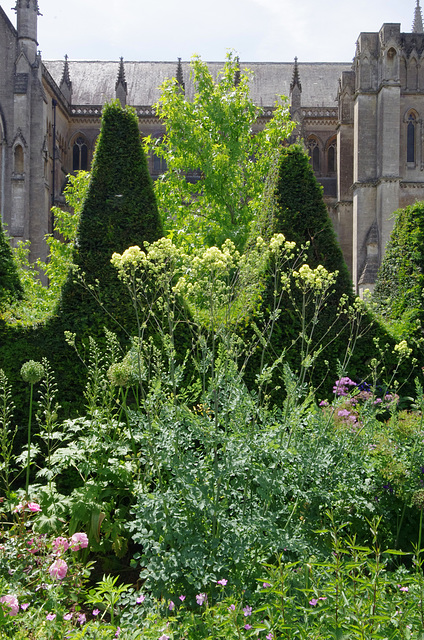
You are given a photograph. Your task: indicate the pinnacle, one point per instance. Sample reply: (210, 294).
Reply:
(121, 75)
(295, 79)
(417, 26)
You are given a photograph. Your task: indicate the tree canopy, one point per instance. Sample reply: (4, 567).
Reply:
(214, 183)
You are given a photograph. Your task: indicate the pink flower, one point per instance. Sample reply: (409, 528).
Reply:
(24, 606)
(58, 569)
(247, 611)
(33, 506)
(266, 585)
(79, 541)
(247, 626)
(223, 582)
(11, 605)
(182, 598)
(232, 607)
(171, 605)
(313, 602)
(18, 507)
(50, 616)
(81, 618)
(269, 636)
(96, 612)
(140, 599)
(67, 616)
(164, 637)
(200, 598)
(404, 589)
(60, 545)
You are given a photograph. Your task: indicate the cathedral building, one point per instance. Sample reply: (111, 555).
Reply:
(362, 123)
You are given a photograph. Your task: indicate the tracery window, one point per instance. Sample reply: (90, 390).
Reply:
(315, 154)
(80, 155)
(410, 139)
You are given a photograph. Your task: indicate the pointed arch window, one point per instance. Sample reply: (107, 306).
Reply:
(410, 139)
(315, 154)
(331, 157)
(18, 165)
(80, 155)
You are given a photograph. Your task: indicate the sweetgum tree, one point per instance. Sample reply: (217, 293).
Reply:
(214, 183)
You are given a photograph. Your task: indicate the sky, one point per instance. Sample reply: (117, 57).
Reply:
(258, 30)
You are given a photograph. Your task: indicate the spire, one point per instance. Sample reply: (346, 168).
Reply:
(237, 72)
(65, 84)
(179, 76)
(295, 79)
(121, 87)
(417, 27)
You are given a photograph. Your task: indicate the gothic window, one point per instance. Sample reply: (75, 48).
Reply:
(315, 154)
(80, 155)
(410, 139)
(159, 165)
(331, 157)
(18, 166)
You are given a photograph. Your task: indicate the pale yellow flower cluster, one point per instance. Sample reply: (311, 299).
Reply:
(318, 279)
(402, 349)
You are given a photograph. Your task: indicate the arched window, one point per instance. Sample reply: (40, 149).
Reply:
(18, 165)
(159, 165)
(410, 139)
(315, 154)
(331, 157)
(80, 155)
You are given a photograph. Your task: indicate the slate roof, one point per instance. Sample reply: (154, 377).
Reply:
(93, 82)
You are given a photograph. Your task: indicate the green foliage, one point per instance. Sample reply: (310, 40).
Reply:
(398, 292)
(39, 301)
(10, 286)
(213, 187)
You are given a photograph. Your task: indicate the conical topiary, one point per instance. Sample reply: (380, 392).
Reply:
(119, 211)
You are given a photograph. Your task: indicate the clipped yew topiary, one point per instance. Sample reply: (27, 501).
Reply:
(399, 288)
(119, 210)
(295, 207)
(10, 286)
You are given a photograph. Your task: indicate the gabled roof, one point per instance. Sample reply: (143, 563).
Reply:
(93, 82)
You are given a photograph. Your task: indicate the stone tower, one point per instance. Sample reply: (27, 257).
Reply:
(26, 218)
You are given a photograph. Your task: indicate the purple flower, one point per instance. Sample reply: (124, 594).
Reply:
(266, 585)
(182, 598)
(200, 598)
(404, 589)
(25, 606)
(118, 631)
(223, 582)
(343, 413)
(171, 605)
(96, 612)
(323, 403)
(164, 637)
(313, 602)
(140, 599)
(50, 616)
(67, 616)
(247, 626)
(247, 611)
(232, 607)
(81, 618)
(269, 636)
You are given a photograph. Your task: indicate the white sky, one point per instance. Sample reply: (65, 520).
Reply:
(259, 30)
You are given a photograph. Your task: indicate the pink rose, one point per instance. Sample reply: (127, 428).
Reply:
(60, 545)
(10, 605)
(79, 541)
(58, 569)
(33, 506)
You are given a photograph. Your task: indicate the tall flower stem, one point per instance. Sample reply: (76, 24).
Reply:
(29, 440)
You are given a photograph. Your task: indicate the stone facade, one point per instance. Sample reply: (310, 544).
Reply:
(362, 124)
